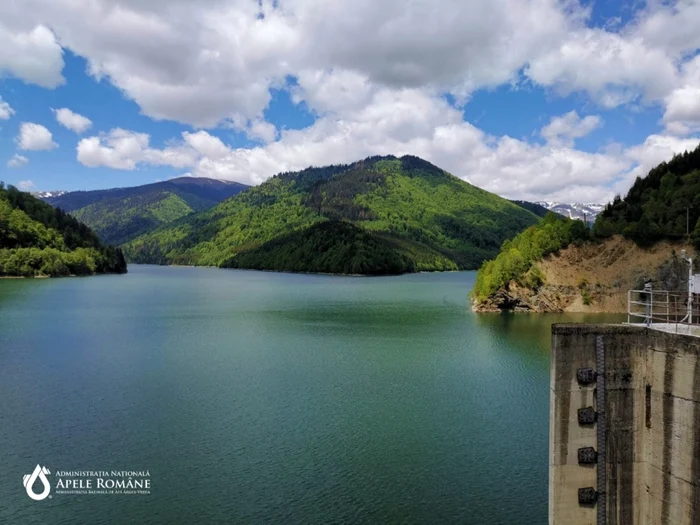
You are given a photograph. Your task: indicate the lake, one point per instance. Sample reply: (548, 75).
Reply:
(258, 397)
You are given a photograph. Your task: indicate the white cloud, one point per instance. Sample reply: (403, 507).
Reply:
(405, 122)
(206, 62)
(26, 185)
(563, 130)
(261, 130)
(374, 73)
(124, 150)
(71, 120)
(28, 49)
(17, 161)
(6, 110)
(611, 68)
(671, 26)
(682, 115)
(206, 145)
(34, 137)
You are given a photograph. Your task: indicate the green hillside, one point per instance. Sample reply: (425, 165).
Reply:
(121, 214)
(663, 205)
(515, 261)
(418, 210)
(326, 247)
(37, 239)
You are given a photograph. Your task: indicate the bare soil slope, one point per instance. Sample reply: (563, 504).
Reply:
(594, 277)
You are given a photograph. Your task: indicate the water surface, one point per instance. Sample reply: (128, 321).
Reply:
(258, 397)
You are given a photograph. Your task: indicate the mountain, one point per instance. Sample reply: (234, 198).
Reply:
(37, 239)
(534, 207)
(576, 210)
(121, 214)
(632, 239)
(404, 214)
(44, 195)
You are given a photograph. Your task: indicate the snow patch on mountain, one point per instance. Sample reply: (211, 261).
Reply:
(576, 210)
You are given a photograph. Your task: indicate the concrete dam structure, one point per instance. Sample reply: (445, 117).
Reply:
(624, 426)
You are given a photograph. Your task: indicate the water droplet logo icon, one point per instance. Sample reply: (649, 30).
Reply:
(39, 472)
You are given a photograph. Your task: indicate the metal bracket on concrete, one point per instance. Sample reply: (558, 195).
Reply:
(587, 496)
(587, 456)
(587, 416)
(586, 376)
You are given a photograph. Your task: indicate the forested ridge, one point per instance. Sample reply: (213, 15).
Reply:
(408, 205)
(535, 208)
(118, 215)
(664, 205)
(37, 239)
(327, 247)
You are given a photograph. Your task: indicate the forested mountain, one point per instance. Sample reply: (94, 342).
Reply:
(37, 239)
(121, 214)
(404, 205)
(663, 205)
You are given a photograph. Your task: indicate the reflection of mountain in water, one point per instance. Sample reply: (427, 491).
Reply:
(533, 331)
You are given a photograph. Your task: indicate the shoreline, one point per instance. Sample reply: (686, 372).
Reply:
(302, 273)
(58, 276)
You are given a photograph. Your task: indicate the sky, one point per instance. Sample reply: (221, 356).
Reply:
(530, 99)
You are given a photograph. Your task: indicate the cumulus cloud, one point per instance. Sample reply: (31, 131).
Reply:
(71, 120)
(399, 123)
(34, 137)
(682, 114)
(17, 161)
(611, 68)
(375, 76)
(6, 110)
(29, 50)
(202, 63)
(563, 130)
(26, 185)
(124, 150)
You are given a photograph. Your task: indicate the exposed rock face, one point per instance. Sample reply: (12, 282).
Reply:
(593, 277)
(518, 298)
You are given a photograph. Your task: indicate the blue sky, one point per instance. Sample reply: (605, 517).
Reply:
(535, 99)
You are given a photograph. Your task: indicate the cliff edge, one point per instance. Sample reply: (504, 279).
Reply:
(593, 276)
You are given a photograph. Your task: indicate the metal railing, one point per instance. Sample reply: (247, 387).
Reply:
(671, 309)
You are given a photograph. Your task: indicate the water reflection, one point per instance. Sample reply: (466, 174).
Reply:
(532, 332)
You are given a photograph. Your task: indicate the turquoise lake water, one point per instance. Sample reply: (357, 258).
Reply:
(254, 397)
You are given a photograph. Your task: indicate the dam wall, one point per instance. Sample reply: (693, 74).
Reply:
(624, 426)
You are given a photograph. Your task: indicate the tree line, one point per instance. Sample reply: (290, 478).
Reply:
(37, 239)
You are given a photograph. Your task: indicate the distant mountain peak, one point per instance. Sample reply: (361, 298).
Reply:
(119, 214)
(48, 194)
(204, 181)
(575, 210)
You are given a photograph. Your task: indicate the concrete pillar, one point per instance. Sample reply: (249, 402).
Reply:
(652, 417)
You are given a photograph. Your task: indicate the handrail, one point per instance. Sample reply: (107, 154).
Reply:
(650, 307)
